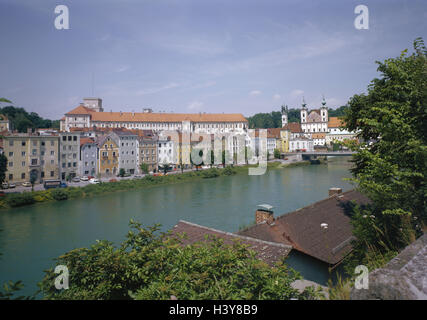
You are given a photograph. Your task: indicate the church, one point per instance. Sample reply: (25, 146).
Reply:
(313, 121)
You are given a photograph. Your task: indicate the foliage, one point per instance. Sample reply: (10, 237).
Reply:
(144, 168)
(3, 167)
(20, 199)
(10, 289)
(274, 118)
(149, 265)
(276, 153)
(21, 120)
(210, 173)
(390, 167)
(122, 172)
(228, 171)
(59, 194)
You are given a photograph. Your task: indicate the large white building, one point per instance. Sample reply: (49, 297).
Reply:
(316, 120)
(91, 113)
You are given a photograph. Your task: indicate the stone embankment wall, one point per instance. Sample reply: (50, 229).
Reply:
(403, 278)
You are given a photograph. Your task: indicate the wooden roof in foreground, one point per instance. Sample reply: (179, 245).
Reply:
(267, 251)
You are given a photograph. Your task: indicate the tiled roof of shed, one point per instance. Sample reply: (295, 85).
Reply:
(266, 251)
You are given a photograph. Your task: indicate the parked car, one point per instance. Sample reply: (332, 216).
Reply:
(90, 177)
(84, 178)
(94, 181)
(76, 179)
(5, 185)
(12, 185)
(2, 194)
(112, 180)
(137, 176)
(26, 184)
(63, 185)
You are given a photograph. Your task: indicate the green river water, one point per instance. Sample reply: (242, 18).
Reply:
(32, 236)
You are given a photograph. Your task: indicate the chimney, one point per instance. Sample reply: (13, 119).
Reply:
(334, 191)
(264, 213)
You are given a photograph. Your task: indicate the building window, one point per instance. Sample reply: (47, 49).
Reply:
(10, 176)
(10, 164)
(10, 154)
(22, 175)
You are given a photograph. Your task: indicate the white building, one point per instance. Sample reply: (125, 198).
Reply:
(337, 132)
(90, 113)
(301, 144)
(316, 120)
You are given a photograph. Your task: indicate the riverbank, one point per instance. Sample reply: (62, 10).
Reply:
(32, 197)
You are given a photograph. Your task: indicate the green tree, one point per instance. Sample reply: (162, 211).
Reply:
(390, 166)
(165, 167)
(149, 265)
(33, 179)
(144, 168)
(122, 172)
(3, 167)
(277, 153)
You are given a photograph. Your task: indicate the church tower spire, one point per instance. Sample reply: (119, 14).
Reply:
(284, 115)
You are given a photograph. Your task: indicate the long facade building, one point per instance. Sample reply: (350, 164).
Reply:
(90, 114)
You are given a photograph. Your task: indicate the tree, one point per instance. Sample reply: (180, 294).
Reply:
(277, 153)
(149, 265)
(391, 164)
(165, 168)
(3, 167)
(144, 168)
(122, 172)
(33, 179)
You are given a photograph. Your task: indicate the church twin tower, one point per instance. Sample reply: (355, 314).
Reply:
(314, 121)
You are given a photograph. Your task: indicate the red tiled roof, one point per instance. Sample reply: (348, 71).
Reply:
(302, 230)
(156, 117)
(266, 251)
(85, 140)
(335, 122)
(80, 110)
(294, 127)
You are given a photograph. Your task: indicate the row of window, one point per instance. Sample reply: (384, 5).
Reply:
(34, 162)
(23, 175)
(24, 143)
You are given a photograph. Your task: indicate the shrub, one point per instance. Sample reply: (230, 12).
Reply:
(210, 173)
(59, 194)
(149, 266)
(20, 199)
(228, 171)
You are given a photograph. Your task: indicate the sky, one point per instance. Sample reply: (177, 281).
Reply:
(198, 55)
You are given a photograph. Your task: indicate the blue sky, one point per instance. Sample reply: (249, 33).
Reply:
(197, 55)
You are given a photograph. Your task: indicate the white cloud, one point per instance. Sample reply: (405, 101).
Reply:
(157, 89)
(195, 105)
(255, 93)
(277, 97)
(296, 93)
(122, 69)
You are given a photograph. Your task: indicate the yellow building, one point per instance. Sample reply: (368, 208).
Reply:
(30, 155)
(108, 156)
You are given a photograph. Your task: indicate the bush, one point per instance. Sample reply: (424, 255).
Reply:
(20, 199)
(210, 173)
(59, 194)
(148, 266)
(228, 171)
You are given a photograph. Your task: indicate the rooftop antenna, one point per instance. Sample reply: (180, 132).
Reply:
(93, 83)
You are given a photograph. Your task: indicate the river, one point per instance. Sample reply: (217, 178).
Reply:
(32, 236)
